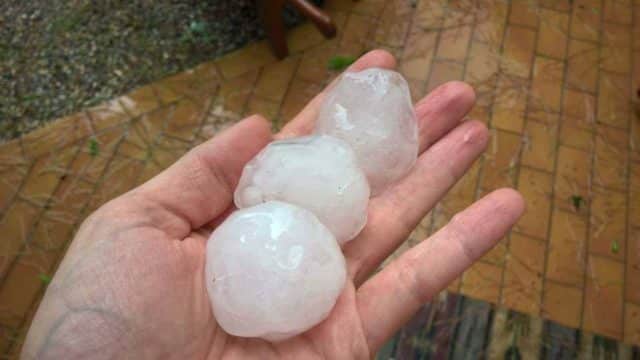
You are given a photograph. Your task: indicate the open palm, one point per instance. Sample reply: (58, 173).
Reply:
(131, 284)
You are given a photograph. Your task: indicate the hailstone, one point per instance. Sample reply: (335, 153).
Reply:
(372, 111)
(318, 173)
(272, 271)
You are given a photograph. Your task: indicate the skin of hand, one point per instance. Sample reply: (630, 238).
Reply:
(131, 284)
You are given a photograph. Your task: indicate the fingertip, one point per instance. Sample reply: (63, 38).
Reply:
(517, 200)
(375, 58)
(452, 93)
(511, 201)
(478, 133)
(258, 122)
(466, 91)
(382, 58)
(444, 107)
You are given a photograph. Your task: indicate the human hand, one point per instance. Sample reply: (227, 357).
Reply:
(131, 284)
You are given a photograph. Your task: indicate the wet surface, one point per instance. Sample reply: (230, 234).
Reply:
(556, 84)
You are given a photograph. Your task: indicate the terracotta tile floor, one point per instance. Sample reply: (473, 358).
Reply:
(555, 83)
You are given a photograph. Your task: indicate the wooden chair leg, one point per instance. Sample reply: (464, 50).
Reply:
(322, 21)
(271, 13)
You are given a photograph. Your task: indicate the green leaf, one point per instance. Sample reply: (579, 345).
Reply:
(94, 148)
(46, 279)
(577, 201)
(615, 247)
(339, 62)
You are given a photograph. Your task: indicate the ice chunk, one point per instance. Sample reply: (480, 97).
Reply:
(371, 110)
(318, 173)
(272, 271)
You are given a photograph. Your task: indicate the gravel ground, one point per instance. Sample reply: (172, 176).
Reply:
(59, 56)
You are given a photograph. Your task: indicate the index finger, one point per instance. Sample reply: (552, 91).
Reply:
(304, 122)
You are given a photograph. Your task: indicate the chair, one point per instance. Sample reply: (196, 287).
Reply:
(271, 14)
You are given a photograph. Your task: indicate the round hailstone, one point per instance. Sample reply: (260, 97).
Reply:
(318, 173)
(372, 111)
(272, 271)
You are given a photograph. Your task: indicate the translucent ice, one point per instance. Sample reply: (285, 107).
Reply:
(272, 271)
(372, 111)
(318, 173)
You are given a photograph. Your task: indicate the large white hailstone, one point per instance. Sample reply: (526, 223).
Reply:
(372, 111)
(272, 271)
(318, 173)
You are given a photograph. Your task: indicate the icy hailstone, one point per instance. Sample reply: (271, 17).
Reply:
(372, 111)
(272, 271)
(318, 173)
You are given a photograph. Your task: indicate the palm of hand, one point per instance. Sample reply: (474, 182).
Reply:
(153, 285)
(131, 284)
